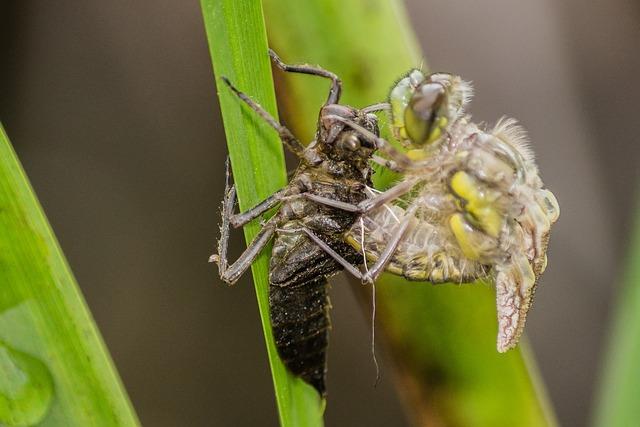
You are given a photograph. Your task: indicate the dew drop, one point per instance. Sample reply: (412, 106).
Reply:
(26, 388)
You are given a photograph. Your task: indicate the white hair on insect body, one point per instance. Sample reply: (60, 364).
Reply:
(463, 90)
(508, 130)
(459, 91)
(421, 67)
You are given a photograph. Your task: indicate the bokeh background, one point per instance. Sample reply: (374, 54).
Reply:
(112, 109)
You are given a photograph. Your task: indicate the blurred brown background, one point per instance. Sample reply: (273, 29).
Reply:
(112, 109)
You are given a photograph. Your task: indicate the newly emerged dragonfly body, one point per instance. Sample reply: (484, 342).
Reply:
(425, 252)
(334, 168)
(471, 203)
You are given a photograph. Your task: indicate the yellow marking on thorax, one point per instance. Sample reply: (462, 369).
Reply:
(480, 206)
(463, 231)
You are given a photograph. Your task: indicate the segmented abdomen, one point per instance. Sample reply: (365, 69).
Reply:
(299, 302)
(426, 252)
(300, 321)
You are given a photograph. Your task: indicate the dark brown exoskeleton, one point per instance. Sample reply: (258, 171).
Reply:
(334, 170)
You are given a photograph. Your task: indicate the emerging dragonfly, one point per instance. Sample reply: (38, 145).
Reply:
(335, 168)
(471, 203)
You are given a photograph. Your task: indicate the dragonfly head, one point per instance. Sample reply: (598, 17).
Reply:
(423, 106)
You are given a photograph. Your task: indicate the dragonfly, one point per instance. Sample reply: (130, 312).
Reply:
(471, 203)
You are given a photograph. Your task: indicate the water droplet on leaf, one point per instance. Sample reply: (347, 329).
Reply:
(26, 388)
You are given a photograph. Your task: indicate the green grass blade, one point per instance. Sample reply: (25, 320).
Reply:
(360, 40)
(617, 403)
(442, 337)
(238, 46)
(54, 367)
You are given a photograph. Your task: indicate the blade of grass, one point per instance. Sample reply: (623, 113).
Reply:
(443, 340)
(365, 42)
(442, 337)
(54, 367)
(617, 403)
(238, 47)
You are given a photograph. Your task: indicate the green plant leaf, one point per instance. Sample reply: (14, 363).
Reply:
(442, 337)
(54, 367)
(617, 403)
(238, 47)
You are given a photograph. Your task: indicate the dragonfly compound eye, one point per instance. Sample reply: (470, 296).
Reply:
(399, 98)
(426, 115)
(424, 106)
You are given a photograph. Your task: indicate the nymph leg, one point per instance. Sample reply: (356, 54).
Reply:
(336, 84)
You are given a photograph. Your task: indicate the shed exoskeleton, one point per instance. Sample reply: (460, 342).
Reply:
(334, 167)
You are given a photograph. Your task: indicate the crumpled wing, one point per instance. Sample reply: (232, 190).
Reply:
(515, 284)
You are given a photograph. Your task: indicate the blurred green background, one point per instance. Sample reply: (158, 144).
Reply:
(111, 107)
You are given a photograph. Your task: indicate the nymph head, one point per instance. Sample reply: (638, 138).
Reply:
(339, 139)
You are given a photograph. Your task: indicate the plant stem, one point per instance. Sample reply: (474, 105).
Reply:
(54, 367)
(238, 47)
(617, 403)
(442, 337)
